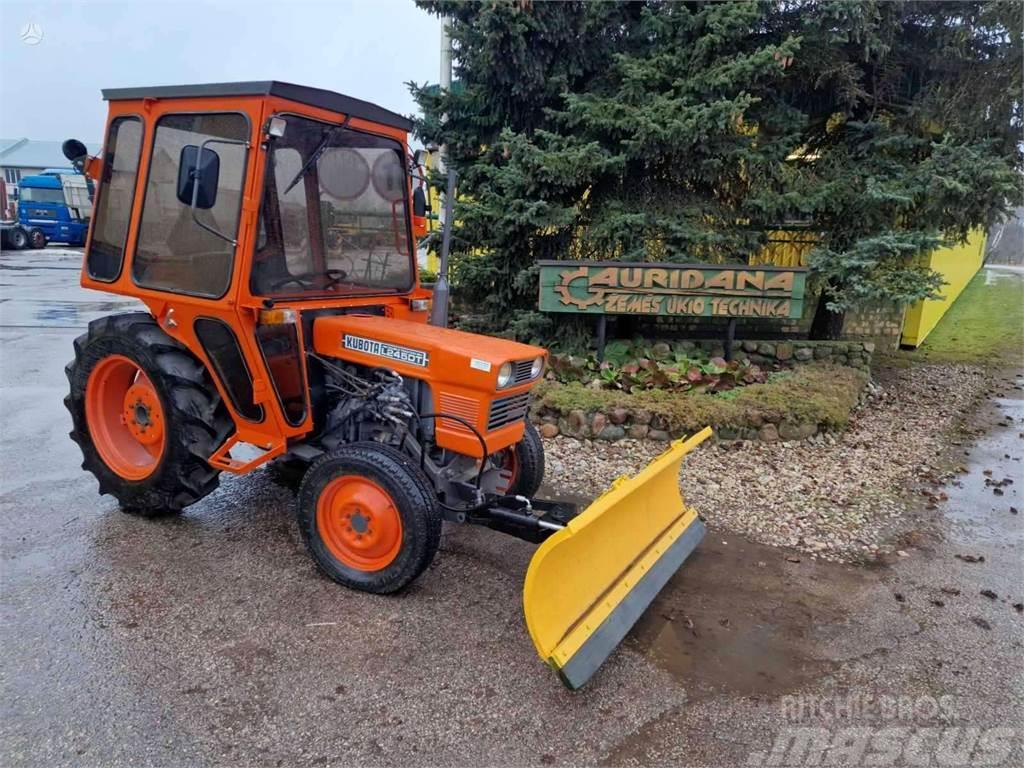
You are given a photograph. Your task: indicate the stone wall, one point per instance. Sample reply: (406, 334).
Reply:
(622, 423)
(857, 354)
(880, 322)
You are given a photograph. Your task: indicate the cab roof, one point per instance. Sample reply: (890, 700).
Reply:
(314, 97)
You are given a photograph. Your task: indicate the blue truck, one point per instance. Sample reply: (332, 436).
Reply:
(54, 207)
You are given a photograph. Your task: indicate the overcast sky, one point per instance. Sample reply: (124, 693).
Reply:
(51, 90)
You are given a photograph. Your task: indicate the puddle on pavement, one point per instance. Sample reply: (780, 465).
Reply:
(728, 621)
(982, 499)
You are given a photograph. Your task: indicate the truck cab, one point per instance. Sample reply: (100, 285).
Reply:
(55, 203)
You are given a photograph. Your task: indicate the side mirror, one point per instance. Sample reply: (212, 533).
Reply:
(75, 151)
(419, 202)
(198, 175)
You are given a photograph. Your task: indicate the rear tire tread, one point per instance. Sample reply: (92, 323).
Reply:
(197, 422)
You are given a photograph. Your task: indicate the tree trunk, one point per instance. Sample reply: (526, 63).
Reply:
(826, 324)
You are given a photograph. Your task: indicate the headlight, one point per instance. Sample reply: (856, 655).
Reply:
(504, 375)
(537, 368)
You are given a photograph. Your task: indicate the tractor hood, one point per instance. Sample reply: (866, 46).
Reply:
(421, 351)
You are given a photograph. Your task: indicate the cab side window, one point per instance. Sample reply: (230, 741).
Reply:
(115, 197)
(174, 253)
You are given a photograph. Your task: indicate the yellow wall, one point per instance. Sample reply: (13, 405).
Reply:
(957, 265)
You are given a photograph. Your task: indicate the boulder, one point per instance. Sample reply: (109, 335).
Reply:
(727, 433)
(766, 349)
(750, 346)
(658, 434)
(611, 433)
(789, 431)
(597, 423)
(822, 351)
(548, 430)
(618, 416)
(638, 431)
(784, 351)
(769, 433)
(576, 423)
(642, 417)
(803, 354)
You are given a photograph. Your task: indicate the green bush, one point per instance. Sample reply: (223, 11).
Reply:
(819, 393)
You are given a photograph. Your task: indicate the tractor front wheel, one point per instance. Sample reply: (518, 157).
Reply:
(369, 517)
(145, 414)
(520, 468)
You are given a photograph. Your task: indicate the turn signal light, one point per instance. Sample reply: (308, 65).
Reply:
(419, 305)
(277, 316)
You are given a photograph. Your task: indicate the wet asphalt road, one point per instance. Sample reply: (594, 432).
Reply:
(210, 639)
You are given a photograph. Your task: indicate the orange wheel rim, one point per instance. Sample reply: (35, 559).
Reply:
(359, 523)
(125, 417)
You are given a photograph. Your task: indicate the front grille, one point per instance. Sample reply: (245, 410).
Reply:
(456, 405)
(507, 410)
(521, 371)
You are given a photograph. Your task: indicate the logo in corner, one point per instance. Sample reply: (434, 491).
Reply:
(405, 355)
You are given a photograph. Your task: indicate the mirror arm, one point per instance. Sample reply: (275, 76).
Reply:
(197, 177)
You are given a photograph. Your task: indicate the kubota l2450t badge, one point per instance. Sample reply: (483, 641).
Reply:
(406, 355)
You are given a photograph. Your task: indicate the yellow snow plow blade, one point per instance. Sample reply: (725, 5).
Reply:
(588, 583)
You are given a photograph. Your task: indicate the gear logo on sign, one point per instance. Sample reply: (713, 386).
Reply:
(568, 298)
(31, 34)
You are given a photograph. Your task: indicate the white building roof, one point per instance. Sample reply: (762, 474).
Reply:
(28, 153)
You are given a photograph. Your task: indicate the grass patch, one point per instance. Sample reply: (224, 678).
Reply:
(984, 325)
(820, 394)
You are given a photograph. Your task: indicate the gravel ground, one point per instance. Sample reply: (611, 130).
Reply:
(838, 497)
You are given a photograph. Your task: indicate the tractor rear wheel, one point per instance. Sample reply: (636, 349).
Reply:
(145, 414)
(369, 517)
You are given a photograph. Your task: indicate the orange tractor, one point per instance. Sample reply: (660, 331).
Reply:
(269, 230)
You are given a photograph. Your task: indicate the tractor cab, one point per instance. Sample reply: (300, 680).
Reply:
(241, 212)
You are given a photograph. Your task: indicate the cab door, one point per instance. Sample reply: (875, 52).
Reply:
(197, 217)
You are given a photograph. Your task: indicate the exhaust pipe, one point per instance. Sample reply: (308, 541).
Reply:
(439, 309)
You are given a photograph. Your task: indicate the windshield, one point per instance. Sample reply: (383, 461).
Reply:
(40, 195)
(333, 219)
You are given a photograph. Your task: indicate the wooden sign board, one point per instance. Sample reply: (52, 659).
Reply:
(617, 288)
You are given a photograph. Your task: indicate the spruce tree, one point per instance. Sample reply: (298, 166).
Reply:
(684, 132)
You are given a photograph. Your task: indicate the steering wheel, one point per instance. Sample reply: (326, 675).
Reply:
(308, 279)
